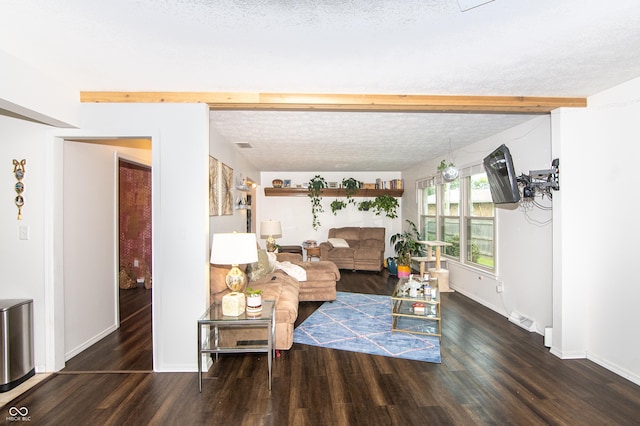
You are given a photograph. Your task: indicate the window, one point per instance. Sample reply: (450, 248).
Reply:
(461, 213)
(450, 218)
(480, 222)
(428, 221)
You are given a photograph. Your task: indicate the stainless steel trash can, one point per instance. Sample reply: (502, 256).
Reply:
(16, 340)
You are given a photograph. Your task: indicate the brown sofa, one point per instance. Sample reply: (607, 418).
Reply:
(285, 290)
(365, 249)
(321, 278)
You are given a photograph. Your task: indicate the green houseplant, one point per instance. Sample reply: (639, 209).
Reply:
(365, 206)
(254, 300)
(385, 204)
(443, 165)
(315, 187)
(351, 186)
(337, 205)
(406, 245)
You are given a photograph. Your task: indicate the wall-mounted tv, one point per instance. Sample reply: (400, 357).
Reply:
(503, 182)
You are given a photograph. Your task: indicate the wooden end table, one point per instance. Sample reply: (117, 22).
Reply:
(312, 252)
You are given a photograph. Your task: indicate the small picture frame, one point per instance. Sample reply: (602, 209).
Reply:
(286, 183)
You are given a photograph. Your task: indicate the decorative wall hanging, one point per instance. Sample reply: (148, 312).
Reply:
(226, 184)
(214, 187)
(18, 171)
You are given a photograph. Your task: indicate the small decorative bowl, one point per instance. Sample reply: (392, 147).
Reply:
(277, 183)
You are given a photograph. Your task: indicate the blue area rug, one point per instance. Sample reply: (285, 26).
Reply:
(362, 323)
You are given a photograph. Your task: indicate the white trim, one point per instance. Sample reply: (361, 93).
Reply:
(53, 231)
(85, 345)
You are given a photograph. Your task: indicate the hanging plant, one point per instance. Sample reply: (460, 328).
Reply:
(443, 165)
(385, 204)
(448, 170)
(365, 206)
(351, 186)
(337, 205)
(315, 187)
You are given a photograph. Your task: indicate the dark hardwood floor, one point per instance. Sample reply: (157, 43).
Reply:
(127, 349)
(492, 372)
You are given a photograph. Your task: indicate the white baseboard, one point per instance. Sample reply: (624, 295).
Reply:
(615, 368)
(75, 351)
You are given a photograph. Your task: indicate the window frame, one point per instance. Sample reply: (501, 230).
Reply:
(464, 217)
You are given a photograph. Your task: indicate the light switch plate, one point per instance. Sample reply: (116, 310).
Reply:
(24, 232)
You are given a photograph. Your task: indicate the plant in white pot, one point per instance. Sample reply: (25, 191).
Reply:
(254, 300)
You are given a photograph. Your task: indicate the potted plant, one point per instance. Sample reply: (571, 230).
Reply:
(448, 171)
(365, 206)
(385, 204)
(351, 186)
(337, 205)
(254, 300)
(315, 187)
(406, 245)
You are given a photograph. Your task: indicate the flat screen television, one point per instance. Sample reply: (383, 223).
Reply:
(503, 182)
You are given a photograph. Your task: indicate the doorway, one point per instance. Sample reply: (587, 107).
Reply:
(134, 237)
(93, 305)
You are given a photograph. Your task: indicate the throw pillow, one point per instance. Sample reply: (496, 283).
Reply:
(338, 242)
(261, 268)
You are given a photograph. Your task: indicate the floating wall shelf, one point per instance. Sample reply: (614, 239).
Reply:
(330, 192)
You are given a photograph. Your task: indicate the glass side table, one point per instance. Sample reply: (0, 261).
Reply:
(418, 314)
(212, 323)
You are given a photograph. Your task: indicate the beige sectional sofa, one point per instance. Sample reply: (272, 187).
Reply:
(355, 248)
(286, 290)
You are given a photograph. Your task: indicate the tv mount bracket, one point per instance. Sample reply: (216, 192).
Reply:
(540, 182)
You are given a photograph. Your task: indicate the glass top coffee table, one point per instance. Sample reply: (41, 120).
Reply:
(212, 323)
(416, 311)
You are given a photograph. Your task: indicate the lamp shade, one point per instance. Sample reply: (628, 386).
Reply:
(270, 228)
(234, 248)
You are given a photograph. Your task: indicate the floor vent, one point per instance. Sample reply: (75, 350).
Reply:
(522, 321)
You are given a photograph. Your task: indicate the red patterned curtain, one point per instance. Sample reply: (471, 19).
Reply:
(135, 217)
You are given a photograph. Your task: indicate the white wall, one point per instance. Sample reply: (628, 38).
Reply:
(180, 150)
(22, 260)
(29, 93)
(227, 153)
(295, 216)
(91, 241)
(524, 240)
(33, 268)
(595, 311)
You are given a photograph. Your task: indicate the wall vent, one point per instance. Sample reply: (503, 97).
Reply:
(522, 321)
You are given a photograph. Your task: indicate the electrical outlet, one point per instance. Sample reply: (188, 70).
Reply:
(136, 263)
(499, 288)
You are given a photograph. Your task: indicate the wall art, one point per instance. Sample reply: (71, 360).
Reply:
(214, 187)
(18, 171)
(226, 185)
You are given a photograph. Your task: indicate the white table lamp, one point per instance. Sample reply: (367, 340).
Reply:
(234, 249)
(271, 230)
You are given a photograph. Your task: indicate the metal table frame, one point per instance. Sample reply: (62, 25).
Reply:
(213, 318)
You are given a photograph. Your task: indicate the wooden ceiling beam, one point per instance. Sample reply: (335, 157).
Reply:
(344, 102)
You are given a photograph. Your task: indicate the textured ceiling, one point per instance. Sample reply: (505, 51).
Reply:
(356, 141)
(516, 48)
